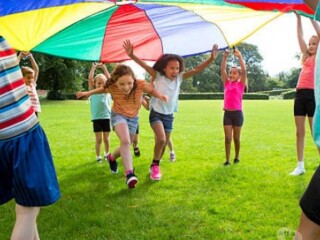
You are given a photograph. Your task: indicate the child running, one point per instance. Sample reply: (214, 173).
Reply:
(127, 93)
(234, 86)
(30, 78)
(304, 102)
(168, 73)
(100, 110)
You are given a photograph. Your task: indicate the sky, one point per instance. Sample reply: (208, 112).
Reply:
(278, 44)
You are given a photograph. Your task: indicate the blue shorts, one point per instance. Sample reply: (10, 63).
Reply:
(165, 119)
(132, 123)
(27, 172)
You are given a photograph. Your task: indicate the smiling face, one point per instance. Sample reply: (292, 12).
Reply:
(125, 83)
(172, 69)
(234, 74)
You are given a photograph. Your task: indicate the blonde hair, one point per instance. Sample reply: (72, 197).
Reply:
(26, 70)
(307, 54)
(100, 76)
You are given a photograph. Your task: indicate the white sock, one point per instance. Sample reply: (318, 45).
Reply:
(98, 157)
(106, 154)
(301, 164)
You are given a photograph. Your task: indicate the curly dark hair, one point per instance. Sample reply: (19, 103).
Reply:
(162, 62)
(119, 71)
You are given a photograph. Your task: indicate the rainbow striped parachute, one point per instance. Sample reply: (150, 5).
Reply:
(94, 30)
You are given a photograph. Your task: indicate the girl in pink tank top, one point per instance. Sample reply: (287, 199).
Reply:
(234, 86)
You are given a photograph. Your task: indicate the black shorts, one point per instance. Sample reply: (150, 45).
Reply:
(233, 118)
(304, 103)
(101, 125)
(310, 200)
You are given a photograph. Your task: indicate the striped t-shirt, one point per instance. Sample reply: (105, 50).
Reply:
(16, 113)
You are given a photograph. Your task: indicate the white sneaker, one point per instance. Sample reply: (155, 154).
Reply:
(298, 171)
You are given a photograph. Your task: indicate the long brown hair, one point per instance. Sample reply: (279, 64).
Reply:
(119, 71)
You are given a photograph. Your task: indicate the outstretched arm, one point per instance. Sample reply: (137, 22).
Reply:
(316, 27)
(237, 53)
(302, 43)
(128, 46)
(105, 70)
(224, 75)
(149, 89)
(87, 94)
(203, 65)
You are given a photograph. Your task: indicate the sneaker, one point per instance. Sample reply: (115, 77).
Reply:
(226, 163)
(136, 152)
(131, 180)
(112, 164)
(155, 173)
(172, 157)
(236, 160)
(298, 171)
(99, 160)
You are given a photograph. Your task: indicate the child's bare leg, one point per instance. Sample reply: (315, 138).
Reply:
(25, 226)
(106, 142)
(160, 141)
(227, 140)
(122, 131)
(98, 142)
(307, 229)
(236, 140)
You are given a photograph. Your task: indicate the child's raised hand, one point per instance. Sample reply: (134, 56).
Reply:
(237, 53)
(226, 53)
(215, 51)
(128, 46)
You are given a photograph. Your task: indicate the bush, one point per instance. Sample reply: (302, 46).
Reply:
(289, 95)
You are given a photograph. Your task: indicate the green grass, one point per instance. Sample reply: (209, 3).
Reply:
(197, 198)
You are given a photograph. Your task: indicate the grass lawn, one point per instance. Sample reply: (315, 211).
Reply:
(197, 198)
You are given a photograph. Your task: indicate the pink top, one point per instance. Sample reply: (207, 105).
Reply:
(306, 77)
(233, 92)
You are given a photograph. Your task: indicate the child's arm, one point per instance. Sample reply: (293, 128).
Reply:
(145, 102)
(302, 43)
(105, 70)
(312, 4)
(316, 27)
(224, 75)
(149, 89)
(91, 74)
(34, 66)
(128, 46)
(237, 53)
(87, 94)
(203, 65)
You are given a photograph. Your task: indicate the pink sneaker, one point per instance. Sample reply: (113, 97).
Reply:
(155, 173)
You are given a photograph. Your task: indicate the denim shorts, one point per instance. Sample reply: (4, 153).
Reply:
(165, 119)
(132, 123)
(27, 171)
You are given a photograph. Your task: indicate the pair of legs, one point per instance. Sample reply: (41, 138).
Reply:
(231, 132)
(25, 226)
(304, 105)
(102, 136)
